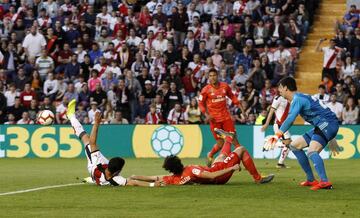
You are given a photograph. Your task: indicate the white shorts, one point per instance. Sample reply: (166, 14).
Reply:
(94, 158)
(286, 135)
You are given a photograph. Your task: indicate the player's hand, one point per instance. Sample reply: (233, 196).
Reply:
(271, 142)
(208, 117)
(97, 117)
(264, 127)
(334, 149)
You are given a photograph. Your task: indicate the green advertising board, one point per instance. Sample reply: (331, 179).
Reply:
(149, 141)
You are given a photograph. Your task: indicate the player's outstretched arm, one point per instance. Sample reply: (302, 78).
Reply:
(94, 132)
(146, 178)
(213, 175)
(132, 182)
(268, 119)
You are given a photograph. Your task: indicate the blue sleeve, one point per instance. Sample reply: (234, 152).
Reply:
(295, 108)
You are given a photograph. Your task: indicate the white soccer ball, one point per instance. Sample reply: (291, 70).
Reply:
(167, 140)
(45, 117)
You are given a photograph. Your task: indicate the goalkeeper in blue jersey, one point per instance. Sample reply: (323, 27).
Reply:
(325, 124)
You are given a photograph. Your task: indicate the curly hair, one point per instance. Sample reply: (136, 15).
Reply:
(173, 164)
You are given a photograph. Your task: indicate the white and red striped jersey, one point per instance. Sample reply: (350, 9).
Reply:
(282, 107)
(330, 56)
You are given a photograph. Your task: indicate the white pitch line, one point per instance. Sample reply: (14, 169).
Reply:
(40, 188)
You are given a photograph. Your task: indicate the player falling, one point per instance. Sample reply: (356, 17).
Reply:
(280, 107)
(219, 173)
(212, 103)
(325, 124)
(102, 171)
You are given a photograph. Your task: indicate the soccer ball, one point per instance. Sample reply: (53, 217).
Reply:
(167, 140)
(45, 117)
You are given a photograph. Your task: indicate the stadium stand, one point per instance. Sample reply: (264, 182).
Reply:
(145, 61)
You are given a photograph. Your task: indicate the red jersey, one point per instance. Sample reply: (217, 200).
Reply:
(213, 99)
(191, 173)
(188, 176)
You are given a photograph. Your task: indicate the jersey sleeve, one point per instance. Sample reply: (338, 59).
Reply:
(120, 180)
(98, 158)
(295, 108)
(276, 102)
(202, 100)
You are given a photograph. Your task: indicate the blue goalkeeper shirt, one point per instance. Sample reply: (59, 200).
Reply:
(311, 110)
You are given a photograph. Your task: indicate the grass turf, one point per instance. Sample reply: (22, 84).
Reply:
(239, 198)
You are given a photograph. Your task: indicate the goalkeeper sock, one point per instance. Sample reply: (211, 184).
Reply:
(250, 166)
(319, 165)
(214, 150)
(284, 153)
(78, 128)
(304, 163)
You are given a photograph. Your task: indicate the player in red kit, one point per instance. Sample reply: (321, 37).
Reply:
(212, 103)
(219, 173)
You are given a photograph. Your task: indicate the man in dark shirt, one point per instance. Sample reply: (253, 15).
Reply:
(98, 96)
(17, 110)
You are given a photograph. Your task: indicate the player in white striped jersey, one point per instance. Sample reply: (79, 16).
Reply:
(280, 106)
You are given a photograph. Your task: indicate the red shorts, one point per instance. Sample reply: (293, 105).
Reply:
(227, 125)
(229, 161)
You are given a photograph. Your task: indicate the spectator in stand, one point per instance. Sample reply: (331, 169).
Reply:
(99, 96)
(10, 95)
(355, 94)
(51, 87)
(153, 117)
(355, 45)
(348, 69)
(322, 95)
(47, 105)
(330, 56)
(276, 31)
(61, 109)
(72, 69)
(268, 93)
(177, 115)
(193, 112)
(33, 43)
(63, 58)
(109, 113)
(44, 64)
(245, 59)
(142, 108)
(119, 119)
(350, 114)
(302, 18)
(71, 93)
(94, 80)
(282, 69)
(272, 9)
(33, 110)
(25, 119)
(350, 20)
(21, 79)
(240, 77)
(257, 75)
(27, 96)
(80, 113)
(340, 94)
(92, 111)
(172, 97)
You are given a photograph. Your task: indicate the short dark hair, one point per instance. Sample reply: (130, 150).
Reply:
(116, 164)
(173, 164)
(289, 82)
(321, 86)
(213, 70)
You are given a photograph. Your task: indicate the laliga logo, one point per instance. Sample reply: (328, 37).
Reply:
(167, 140)
(164, 140)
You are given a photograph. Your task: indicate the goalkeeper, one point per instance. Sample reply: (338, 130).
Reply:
(325, 124)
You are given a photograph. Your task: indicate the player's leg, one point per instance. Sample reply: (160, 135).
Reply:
(245, 156)
(229, 126)
(284, 153)
(219, 143)
(296, 147)
(318, 141)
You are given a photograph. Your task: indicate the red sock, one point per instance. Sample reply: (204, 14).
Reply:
(250, 166)
(214, 150)
(226, 149)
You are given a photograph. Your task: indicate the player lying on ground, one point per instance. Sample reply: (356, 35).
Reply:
(212, 103)
(102, 171)
(219, 173)
(280, 107)
(325, 124)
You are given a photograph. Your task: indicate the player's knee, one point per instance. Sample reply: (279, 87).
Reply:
(240, 150)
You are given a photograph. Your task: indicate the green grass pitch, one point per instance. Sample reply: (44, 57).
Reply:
(239, 198)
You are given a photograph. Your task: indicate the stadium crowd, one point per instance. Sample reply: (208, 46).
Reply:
(340, 87)
(141, 61)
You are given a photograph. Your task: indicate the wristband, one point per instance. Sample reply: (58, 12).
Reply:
(152, 184)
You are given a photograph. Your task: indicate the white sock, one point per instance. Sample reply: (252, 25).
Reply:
(284, 153)
(78, 128)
